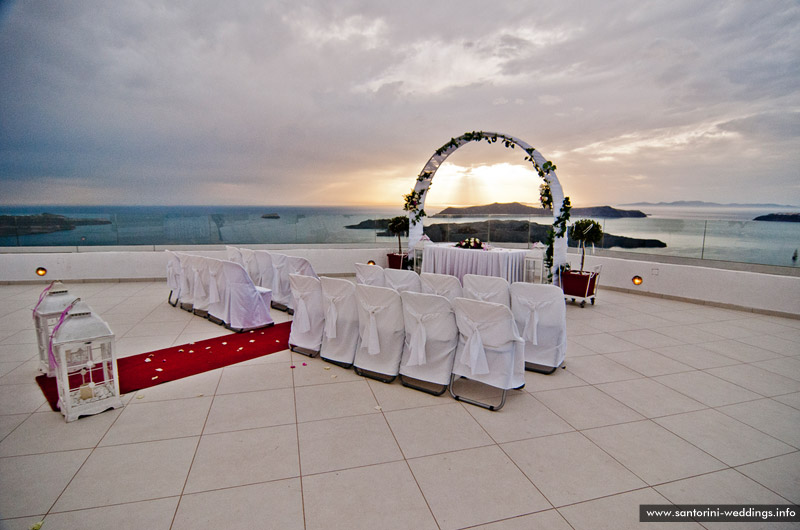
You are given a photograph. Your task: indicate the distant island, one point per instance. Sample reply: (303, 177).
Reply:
(781, 217)
(516, 208)
(45, 223)
(270, 216)
(709, 204)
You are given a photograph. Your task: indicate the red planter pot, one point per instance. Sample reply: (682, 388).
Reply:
(395, 260)
(579, 285)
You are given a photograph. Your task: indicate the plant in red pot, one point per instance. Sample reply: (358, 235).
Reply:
(580, 284)
(398, 226)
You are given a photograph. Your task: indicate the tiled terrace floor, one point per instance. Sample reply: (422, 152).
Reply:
(661, 401)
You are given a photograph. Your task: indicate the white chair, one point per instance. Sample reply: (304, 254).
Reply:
(235, 255)
(199, 272)
(487, 289)
(430, 343)
(302, 266)
(187, 282)
(250, 264)
(281, 290)
(174, 280)
(340, 336)
(217, 291)
(541, 313)
(246, 306)
(441, 284)
(489, 351)
(370, 275)
(402, 280)
(309, 318)
(265, 269)
(382, 332)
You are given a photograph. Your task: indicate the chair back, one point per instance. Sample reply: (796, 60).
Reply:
(246, 308)
(250, 264)
(541, 317)
(402, 280)
(487, 289)
(309, 317)
(381, 329)
(441, 284)
(234, 255)
(281, 290)
(340, 336)
(431, 336)
(370, 275)
(265, 268)
(489, 349)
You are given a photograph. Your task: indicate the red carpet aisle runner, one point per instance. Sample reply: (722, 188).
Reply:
(160, 366)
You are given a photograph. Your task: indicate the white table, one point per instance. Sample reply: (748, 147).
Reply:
(447, 259)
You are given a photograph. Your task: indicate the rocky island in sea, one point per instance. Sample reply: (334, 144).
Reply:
(781, 217)
(516, 208)
(45, 223)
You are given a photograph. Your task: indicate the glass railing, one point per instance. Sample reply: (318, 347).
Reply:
(759, 242)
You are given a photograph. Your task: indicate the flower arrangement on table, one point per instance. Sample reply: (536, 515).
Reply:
(472, 242)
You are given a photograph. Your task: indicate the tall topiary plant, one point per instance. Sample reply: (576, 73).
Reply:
(398, 226)
(585, 231)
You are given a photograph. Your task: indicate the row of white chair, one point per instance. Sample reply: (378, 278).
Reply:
(219, 290)
(539, 310)
(271, 270)
(426, 339)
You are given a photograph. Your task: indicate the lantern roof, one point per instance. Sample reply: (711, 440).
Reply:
(81, 325)
(56, 300)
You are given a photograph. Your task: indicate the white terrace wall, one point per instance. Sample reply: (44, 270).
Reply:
(748, 290)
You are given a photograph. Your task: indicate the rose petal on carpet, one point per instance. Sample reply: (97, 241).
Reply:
(154, 368)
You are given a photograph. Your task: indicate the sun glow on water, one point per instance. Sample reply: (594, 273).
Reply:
(455, 185)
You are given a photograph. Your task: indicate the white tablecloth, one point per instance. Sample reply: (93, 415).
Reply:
(448, 259)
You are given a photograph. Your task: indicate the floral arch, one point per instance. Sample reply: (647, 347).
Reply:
(550, 192)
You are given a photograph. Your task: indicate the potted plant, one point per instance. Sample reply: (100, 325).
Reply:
(580, 284)
(398, 226)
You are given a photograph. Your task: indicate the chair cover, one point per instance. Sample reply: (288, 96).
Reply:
(487, 289)
(431, 337)
(250, 264)
(309, 317)
(340, 336)
(174, 280)
(370, 275)
(490, 349)
(382, 331)
(265, 268)
(541, 315)
(402, 280)
(246, 306)
(234, 255)
(187, 281)
(199, 271)
(217, 291)
(441, 284)
(281, 290)
(301, 266)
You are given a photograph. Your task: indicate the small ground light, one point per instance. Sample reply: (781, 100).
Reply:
(41, 271)
(637, 280)
(370, 262)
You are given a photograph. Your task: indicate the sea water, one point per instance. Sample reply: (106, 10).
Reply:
(711, 232)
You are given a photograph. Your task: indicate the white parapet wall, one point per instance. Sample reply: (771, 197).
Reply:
(769, 293)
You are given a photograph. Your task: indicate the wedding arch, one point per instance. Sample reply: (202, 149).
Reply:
(550, 193)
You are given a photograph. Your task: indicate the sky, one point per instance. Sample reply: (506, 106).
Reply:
(275, 102)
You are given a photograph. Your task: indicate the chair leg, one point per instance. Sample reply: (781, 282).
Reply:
(383, 378)
(423, 386)
(303, 351)
(169, 300)
(472, 401)
(540, 368)
(337, 363)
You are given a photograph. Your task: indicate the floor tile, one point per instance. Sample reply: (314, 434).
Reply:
(696, 356)
(31, 484)
(318, 372)
(686, 334)
(647, 338)
(773, 344)
(793, 400)
(143, 422)
(562, 378)
(10, 422)
(397, 397)
(485, 481)
(723, 437)
(740, 351)
(21, 523)
(725, 329)
(652, 452)
(384, 496)
(42, 432)
(707, 389)
(780, 474)
(650, 398)
(341, 443)
(596, 369)
(523, 416)
(604, 343)
(255, 377)
(756, 379)
(204, 384)
(20, 399)
(586, 407)
(244, 457)
(153, 515)
(130, 473)
(437, 429)
(550, 520)
(649, 363)
(785, 366)
(323, 402)
(250, 410)
(618, 512)
(587, 474)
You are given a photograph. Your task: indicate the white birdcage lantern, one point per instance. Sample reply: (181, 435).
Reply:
(52, 302)
(82, 350)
